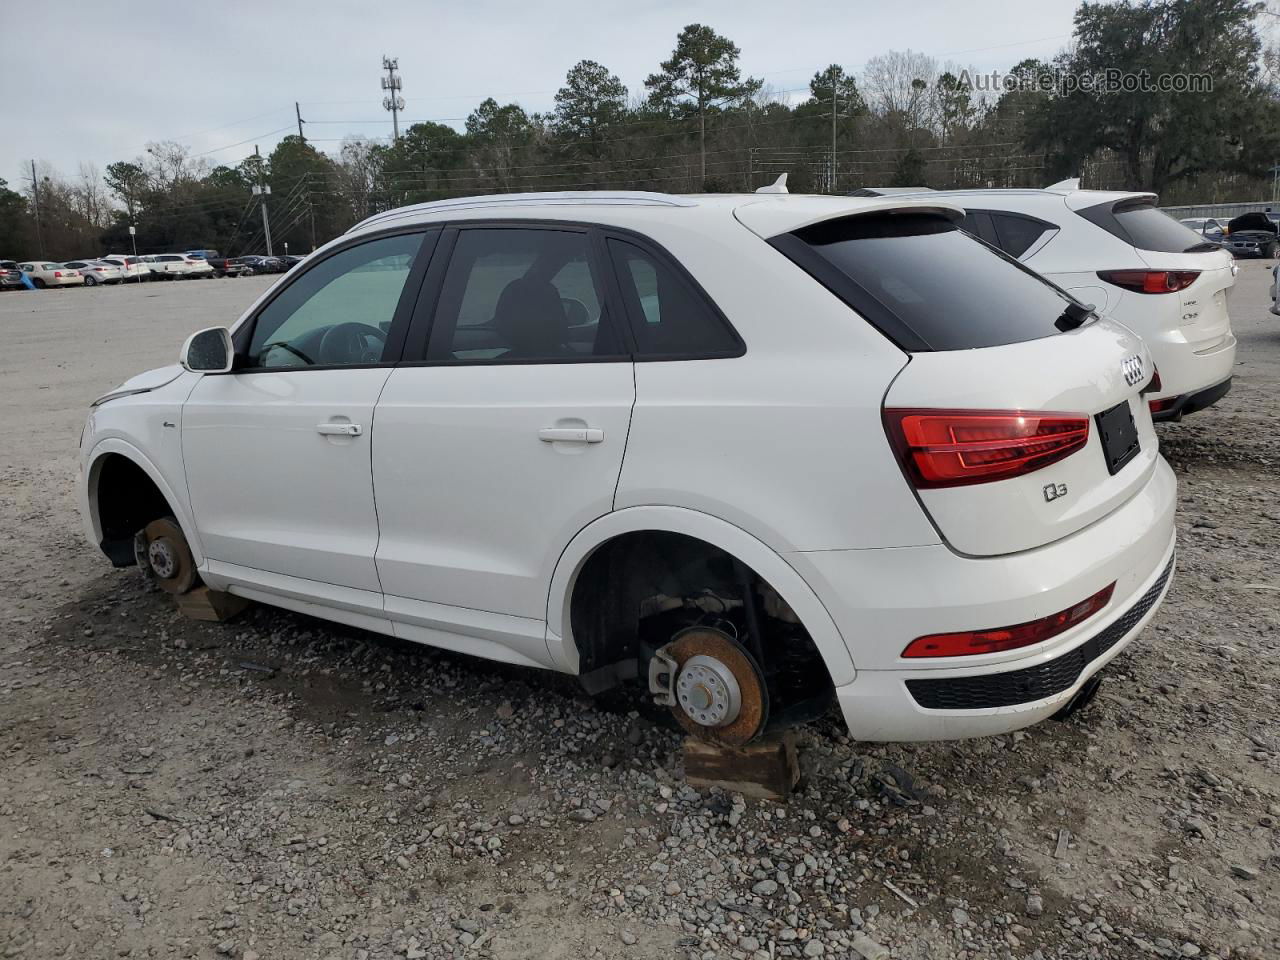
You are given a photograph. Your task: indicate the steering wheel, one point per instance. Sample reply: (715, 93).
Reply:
(349, 343)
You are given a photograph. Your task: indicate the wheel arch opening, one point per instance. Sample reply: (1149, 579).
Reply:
(124, 499)
(637, 590)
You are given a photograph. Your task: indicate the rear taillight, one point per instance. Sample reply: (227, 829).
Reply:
(967, 642)
(57, 273)
(1150, 281)
(952, 448)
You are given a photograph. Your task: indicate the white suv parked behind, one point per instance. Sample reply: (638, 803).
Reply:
(1120, 253)
(763, 451)
(176, 266)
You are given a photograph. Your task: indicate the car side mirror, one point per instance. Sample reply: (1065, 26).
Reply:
(208, 351)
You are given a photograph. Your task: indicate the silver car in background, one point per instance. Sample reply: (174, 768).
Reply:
(97, 271)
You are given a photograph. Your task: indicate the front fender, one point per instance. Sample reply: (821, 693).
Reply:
(733, 540)
(89, 490)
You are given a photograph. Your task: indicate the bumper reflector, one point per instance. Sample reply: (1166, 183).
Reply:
(968, 642)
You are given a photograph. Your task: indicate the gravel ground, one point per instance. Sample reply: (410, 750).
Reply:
(280, 787)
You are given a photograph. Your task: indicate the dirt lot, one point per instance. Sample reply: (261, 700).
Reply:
(283, 788)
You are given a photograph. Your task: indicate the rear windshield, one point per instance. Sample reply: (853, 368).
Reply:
(1146, 227)
(925, 283)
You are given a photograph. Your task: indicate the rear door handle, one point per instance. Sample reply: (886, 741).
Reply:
(339, 429)
(571, 435)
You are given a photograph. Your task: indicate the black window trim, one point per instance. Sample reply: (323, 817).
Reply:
(663, 257)
(393, 350)
(1048, 231)
(612, 306)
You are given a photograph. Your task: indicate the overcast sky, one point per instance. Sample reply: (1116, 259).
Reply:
(222, 75)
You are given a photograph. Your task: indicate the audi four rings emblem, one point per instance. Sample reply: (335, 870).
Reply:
(1132, 368)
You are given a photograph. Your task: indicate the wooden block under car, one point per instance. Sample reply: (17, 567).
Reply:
(766, 769)
(205, 604)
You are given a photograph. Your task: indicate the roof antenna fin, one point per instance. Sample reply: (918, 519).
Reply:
(1065, 185)
(778, 186)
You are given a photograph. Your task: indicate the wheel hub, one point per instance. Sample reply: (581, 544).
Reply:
(163, 560)
(711, 684)
(708, 692)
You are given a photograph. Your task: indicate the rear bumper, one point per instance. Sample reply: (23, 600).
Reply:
(1193, 402)
(882, 599)
(1189, 367)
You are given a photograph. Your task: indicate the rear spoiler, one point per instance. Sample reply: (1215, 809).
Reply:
(773, 216)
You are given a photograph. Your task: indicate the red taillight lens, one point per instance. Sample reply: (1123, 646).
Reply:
(57, 273)
(1153, 385)
(1151, 281)
(952, 448)
(1159, 406)
(967, 642)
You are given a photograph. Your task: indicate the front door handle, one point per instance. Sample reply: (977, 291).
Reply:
(571, 435)
(339, 429)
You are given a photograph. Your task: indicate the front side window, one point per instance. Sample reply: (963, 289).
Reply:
(520, 294)
(669, 318)
(339, 312)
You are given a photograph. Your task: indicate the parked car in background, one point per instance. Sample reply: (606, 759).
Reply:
(752, 519)
(291, 260)
(133, 267)
(1121, 254)
(226, 266)
(260, 264)
(96, 272)
(179, 266)
(1212, 229)
(45, 273)
(10, 275)
(1253, 235)
(203, 254)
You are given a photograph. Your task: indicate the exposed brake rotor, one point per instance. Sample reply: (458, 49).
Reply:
(717, 690)
(168, 556)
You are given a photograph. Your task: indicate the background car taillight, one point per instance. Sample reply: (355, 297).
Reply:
(58, 273)
(1150, 281)
(952, 448)
(966, 642)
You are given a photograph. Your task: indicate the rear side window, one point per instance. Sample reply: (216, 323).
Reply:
(1144, 226)
(521, 295)
(925, 283)
(669, 318)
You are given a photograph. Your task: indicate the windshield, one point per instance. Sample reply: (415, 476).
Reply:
(926, 284)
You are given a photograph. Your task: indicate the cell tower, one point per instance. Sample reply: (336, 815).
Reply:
(392, 101)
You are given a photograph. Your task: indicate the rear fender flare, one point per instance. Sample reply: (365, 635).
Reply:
(692, 523)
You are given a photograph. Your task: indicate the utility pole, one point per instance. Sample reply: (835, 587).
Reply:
(835, 100)
(263, 190)
(297, 111)
(392, 101)
(35, 192)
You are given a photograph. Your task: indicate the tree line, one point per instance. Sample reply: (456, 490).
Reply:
(700, 124)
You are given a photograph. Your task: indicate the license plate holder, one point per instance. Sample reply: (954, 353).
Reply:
(1119, 436)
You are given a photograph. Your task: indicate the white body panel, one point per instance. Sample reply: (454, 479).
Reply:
(475, 508)
(271, 493)
(447, 520)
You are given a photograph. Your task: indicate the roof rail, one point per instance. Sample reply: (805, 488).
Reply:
(637, 198)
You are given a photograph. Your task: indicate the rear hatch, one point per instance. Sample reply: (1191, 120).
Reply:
(1180, 263)
(1018, 418)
